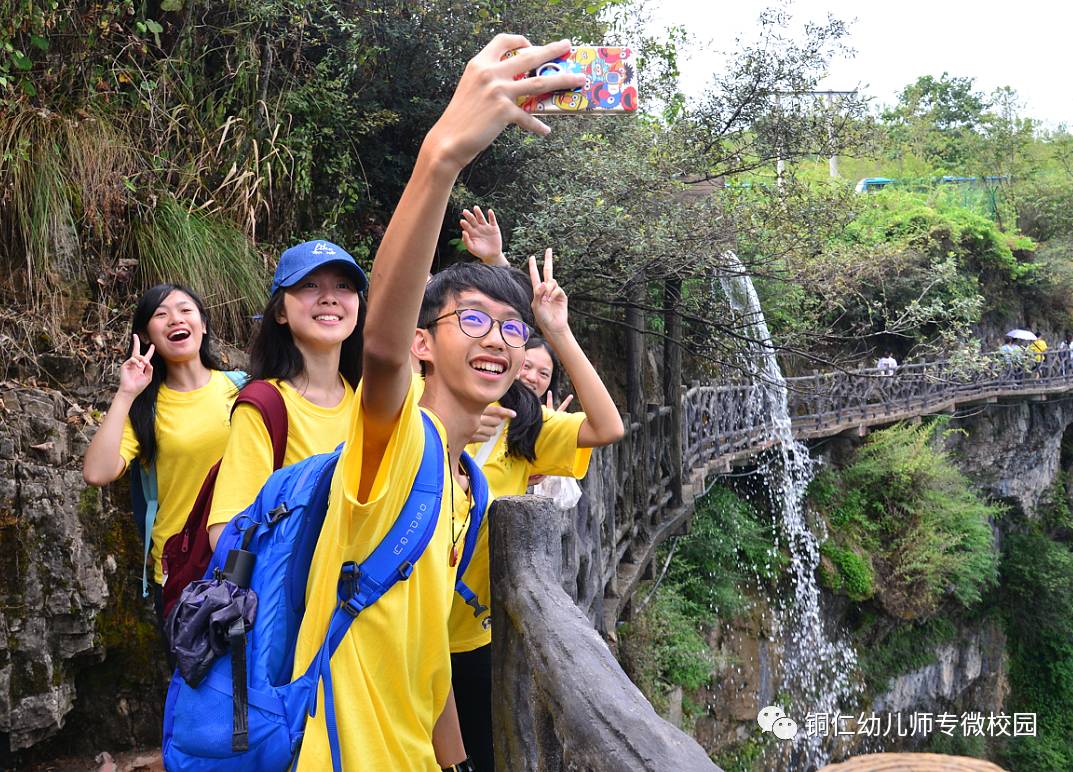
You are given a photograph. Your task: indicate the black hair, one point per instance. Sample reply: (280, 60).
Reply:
(273, 353)
(500, 285)
(554, 386)
(143, 410)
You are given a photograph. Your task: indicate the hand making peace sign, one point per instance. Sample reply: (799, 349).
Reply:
(549, 299)
(137, 372)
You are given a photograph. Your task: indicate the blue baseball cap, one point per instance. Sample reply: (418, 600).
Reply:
(304, 258)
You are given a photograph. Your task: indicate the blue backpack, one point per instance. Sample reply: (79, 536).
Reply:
(144, 500)
(247, 713)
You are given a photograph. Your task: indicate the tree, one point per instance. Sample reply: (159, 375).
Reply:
(939, 119)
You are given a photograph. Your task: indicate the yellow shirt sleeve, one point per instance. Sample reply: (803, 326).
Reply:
(246, 464)
(557, 452)
(129, 445)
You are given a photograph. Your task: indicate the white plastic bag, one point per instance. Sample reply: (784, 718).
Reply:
(564, 491)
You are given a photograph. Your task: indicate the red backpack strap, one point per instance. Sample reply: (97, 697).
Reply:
(269, 403)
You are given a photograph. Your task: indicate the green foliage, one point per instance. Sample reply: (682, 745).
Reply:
(663, 647)
(904, 505)
(729, 549)
(73, 198)
(852, 573)
(1037, 575)
(745, 756)
(956, 744)
(728, 552)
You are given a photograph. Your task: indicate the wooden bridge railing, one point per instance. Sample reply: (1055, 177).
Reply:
(637, 495)
(733, 418)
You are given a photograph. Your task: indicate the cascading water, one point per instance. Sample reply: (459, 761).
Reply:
(816, 670)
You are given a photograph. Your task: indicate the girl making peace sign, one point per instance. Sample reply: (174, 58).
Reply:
(171, 410)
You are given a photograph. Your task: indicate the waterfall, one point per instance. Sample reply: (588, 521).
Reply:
(816, 669)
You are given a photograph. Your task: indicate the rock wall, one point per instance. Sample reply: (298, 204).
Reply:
(67, 593)
(1012, 451)
(53, 583)
(968, 674)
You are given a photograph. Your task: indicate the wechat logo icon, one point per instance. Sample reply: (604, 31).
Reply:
(774, 719)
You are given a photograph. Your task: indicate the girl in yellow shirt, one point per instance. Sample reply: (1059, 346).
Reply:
(171, 410)
(309, 346)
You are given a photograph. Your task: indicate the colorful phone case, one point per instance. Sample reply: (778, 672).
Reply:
(610, 82)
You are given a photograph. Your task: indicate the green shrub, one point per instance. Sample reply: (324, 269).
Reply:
(854, 574)
(729, 549)
(905, 505)
(662, 647)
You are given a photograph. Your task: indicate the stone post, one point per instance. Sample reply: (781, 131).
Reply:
(560, 700)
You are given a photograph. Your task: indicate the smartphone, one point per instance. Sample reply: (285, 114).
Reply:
(610, 82)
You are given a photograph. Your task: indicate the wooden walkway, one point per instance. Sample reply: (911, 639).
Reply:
(665, 462)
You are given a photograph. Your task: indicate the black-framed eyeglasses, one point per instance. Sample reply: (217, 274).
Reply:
(477, 324)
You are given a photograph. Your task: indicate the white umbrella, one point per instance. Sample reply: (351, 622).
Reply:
(1020, 335)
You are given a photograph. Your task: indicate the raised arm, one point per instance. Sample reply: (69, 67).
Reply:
(603, 424)
(103, 462)
(482, 106)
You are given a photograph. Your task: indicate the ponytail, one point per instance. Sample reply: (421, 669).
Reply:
(526, 425)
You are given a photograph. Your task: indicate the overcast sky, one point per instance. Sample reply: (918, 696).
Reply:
(1025, 44)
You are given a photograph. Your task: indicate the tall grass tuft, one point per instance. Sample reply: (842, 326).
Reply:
(173, 243)
(79, 204)
(38, 201)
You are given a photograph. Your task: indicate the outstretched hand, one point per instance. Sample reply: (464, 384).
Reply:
(484, 102)
(491, 419)
(137, 372)
(549, 299)
(481, 236)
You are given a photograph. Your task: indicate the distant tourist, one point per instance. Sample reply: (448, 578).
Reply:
(887, 364)
(1036, 350)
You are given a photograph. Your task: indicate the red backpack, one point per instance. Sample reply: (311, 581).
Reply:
(186, 555)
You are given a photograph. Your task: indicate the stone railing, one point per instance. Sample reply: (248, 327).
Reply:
(562, 702)
(561, 578)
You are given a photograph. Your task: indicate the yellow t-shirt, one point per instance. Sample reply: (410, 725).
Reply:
(392, 672)
(247, 462)
(557, 453)
(191, 433)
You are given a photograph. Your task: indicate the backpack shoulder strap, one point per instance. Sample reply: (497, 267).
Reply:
(237, 377)
(269, 403)
(479, 486)
(393, 560)
(145, 498)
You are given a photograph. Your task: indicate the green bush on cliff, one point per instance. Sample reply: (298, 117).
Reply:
(853, 574)
(1037, 602)
(904, 505)
(663, 647)
(727, 550)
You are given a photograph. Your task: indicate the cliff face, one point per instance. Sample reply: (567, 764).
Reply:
(1012, 451)
(68, 594)
(53, 583)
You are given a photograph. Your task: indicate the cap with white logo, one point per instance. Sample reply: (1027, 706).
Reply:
(302, 259)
